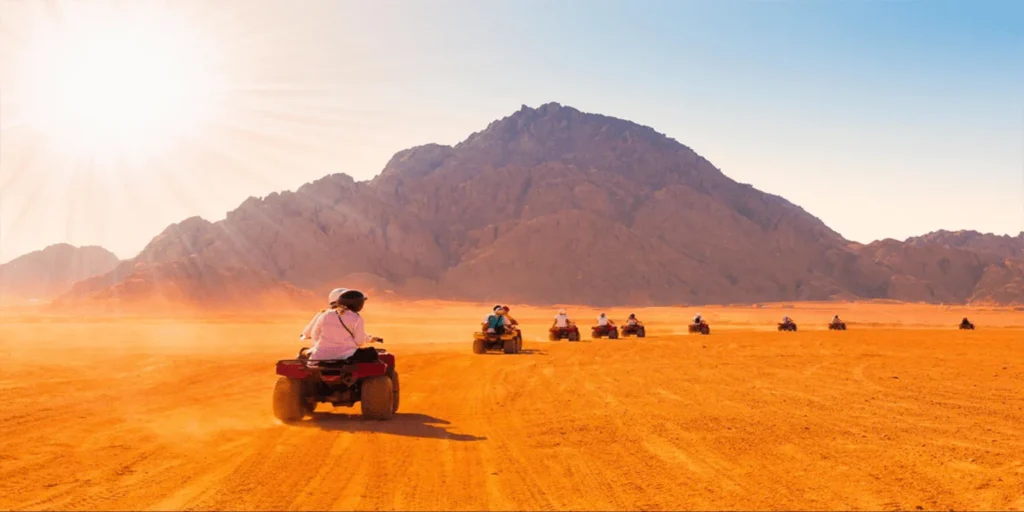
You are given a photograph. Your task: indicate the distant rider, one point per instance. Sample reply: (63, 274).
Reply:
(786, 320)
(561, 320)
(836, 320)
(338, 332)
(965, 322)
(487, 318)
(496, 321)
(697, 319)
(632, 321)
(510, 322)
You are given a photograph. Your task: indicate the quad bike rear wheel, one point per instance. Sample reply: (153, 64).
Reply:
(641, 333)
(378, 398)
(479, 347)
(509, 346)
(288, 406)
(574, 336)
(705, 329)
(613, 335)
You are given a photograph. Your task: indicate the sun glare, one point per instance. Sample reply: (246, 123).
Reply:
(112, 83)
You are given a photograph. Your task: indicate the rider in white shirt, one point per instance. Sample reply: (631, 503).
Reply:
(561, 319)
(602, 320)
(338, 332)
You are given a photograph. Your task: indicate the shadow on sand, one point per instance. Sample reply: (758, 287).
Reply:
(403, 424)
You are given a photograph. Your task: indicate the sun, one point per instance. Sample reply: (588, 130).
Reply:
(112, 83)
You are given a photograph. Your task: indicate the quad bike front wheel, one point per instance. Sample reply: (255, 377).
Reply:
(613, 335)
(574, 336)
(704, 329)
(509, 346)
(641, 333)
(378, 398)
(288, 406)
(479, 346)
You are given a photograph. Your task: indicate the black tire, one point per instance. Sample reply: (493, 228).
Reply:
(613, 335)
(641, 333)
(479, 347)
(705, 329)
(794, 327)
(395, 388)
(378, 398)
(288, 406)
(519, 343)
(574, 336)
(509, 346)
(594, 335)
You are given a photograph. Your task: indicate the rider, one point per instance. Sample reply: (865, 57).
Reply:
(698, 319)
(332, 301)
(509, 321)
(561, 320)
(786, 319)
(632, 321)
(338, 332)
(965, 321)
(603, 322)
(836, 320)
(496, 321)
(489, 315)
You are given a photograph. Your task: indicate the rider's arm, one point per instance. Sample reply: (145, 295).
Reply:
(318, 327)
(359, 333)
(307, 333)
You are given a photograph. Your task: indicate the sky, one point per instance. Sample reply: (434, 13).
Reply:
(882, 118)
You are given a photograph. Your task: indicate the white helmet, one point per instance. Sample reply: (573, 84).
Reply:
(335, 295)
(561, 311)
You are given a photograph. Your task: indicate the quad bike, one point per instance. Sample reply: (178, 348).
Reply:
(787, 326)
(609, 330)
(841, 326)
(303, 384)
(511, 342)
(967, 326)
(637, 329)
(571, 333)
(702, 328)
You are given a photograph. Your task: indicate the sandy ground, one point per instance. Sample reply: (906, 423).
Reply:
(900, 412)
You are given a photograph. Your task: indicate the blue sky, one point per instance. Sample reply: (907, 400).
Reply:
(884, 119)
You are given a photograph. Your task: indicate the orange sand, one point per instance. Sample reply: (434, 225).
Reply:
(900, 412)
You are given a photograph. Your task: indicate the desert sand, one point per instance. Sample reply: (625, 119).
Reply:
(902, 411)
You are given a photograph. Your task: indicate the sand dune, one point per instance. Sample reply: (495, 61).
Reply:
(900, 412)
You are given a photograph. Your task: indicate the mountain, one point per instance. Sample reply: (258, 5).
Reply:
(548, 205)
(47, 273)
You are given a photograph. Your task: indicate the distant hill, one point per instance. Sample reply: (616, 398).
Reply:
(550, 205)
(47, 273)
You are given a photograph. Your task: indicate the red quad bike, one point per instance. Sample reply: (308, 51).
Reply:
(702, 328)
(841, 326)
(571, 333)
(609, 330)
(303, 384)
(637, 329)
(788, 326)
